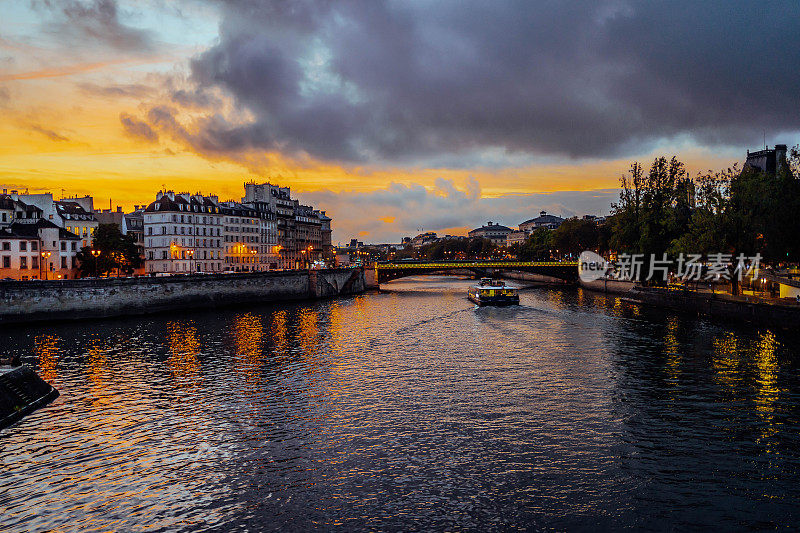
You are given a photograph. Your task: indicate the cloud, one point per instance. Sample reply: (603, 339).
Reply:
(407, 209)
(66, 70)
(137, 128)
(406, 82)
(132, 90)
(97, 21)
(50, 134)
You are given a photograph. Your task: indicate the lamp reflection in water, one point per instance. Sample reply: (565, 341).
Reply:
(247, 331)
(184, 347)
(767, 383)
(672, 350)
(742, 366)
(46, 349)
(309, 335)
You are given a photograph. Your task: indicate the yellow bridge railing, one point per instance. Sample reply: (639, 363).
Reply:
(475, 264)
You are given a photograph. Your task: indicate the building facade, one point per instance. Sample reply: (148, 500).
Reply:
(767, 161)
(516, 237)
(496, 233)
(76, 215)
(304, 233)
(183, 233)
(251, 237)
(542, 221)
(32, 247)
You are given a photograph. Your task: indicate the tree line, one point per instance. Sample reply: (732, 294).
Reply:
(664, 210)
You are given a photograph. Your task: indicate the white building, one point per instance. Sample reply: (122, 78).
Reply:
(183, 233)
(494, 232)
(516, 237)
(76, 215)
(250, 237)
(542, 221)
(32, 247)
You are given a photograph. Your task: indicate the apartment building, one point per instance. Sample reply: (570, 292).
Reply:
(183, 233)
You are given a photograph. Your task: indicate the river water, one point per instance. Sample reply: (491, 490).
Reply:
(407, 409)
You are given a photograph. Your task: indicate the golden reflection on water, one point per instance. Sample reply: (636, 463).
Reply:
(672, 349)
(732, 359)
(280, 336)
(726, 360)
(46, 349)
(309, 334)
(767, 383)
(184, 347)
(617, 307)
(97, 367)
(248, 332)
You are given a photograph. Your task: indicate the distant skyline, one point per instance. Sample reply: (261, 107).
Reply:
(391, 116)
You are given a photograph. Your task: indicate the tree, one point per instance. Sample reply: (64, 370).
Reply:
(653, 209)
(537, 246)
(117, 252)
(575, 235)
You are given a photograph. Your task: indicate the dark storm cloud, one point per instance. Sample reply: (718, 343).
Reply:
(403, 81)
(136, 128)
(96, 20)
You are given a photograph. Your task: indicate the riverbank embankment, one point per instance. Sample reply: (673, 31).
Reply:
(33, 301)
(21, 393)
(721, 306)
(534, 280)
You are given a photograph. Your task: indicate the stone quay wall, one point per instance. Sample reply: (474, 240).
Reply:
(31, 301)
(609, 286)
(722, 306)
(534, 279)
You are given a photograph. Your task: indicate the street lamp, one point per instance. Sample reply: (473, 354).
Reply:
(190, 253)
(253, 265)
(42, 265)
(96, 254)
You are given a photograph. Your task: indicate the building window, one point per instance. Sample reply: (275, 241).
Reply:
(74, 246)
(6, 261)
(63, 246)
(63, 262)
(6, 246)
(23, 246)
(34, 246)
(23, 263)
(35, 262)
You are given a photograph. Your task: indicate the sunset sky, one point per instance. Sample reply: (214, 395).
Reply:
(394, 116)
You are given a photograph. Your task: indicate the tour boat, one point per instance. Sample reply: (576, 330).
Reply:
(493, 292)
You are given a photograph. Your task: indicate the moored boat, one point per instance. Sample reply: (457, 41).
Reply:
(493, 292)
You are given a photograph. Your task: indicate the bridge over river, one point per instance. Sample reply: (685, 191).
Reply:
(566, 270)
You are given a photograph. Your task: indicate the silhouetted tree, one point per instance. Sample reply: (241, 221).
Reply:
(117, 251)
